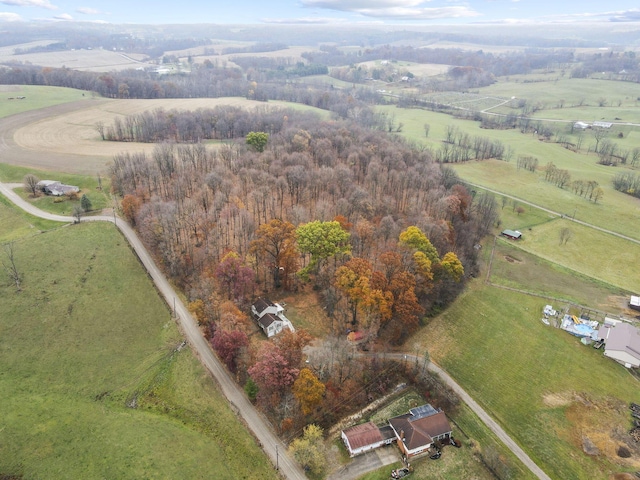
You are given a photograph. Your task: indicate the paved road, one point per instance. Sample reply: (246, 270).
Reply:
(478, 410)
(258, 425)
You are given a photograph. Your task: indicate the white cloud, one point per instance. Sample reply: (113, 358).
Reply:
(30, 3)
(396, 9)
(10, 17)
(305, 20)
(63, 16)
(357, 5)
(88, 11)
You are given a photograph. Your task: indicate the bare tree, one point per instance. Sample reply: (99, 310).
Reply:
(31, 184)
(77, 213)
(565, 235)
(9, 264)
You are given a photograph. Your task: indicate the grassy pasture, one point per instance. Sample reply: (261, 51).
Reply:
(87, 336)
(572, 92)
(36, 97)
(540, 383)
(97, 60)
(515, 267)
(590, 252)
(18, 224)
(616, 211)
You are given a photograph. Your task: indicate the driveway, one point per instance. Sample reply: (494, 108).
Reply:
(367, 462)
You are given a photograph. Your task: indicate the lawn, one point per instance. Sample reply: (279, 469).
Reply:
(91, 384)
(36, 97)
(546, 389)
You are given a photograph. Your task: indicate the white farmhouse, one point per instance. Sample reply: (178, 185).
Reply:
(270, 317)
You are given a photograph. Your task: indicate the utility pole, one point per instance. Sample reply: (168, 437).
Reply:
(277, 458)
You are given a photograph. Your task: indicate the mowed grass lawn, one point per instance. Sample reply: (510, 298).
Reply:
(87, 339)
(544, 387)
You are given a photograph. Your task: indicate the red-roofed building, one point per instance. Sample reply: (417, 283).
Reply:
(367, 436)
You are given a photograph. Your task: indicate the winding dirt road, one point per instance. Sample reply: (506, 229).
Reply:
(258, 425)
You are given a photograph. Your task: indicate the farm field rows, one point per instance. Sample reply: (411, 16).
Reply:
(92, 384)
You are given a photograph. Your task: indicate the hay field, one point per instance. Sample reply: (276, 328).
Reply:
(88, 60)
(75, 132)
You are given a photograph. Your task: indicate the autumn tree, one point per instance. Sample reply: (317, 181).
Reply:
(257, 140)
(130, 205)
(30, 182)
(272, 373)
(236, 279)
(353, 280)
(228, 345)
(308, 390)
(291, 345)
(276, 240)
(415, 238)
(309, 450)
(321, 240)
(452, 266)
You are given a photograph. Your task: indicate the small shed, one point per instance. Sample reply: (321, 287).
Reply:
(634, 302)
(511, 234)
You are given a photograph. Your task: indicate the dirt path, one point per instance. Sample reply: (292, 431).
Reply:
(258, 425)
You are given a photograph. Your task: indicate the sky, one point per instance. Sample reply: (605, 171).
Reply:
(436, 12)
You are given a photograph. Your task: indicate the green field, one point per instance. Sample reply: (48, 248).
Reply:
(36, 97)
(86, 341)
(514, 267)
(17, 224)
(616, 211)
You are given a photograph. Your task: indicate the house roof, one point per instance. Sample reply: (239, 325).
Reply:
(267, 319)
(417, 430)
(635, 301)
(362, 435)
(261, 305)
(512, 233)
(624, 337)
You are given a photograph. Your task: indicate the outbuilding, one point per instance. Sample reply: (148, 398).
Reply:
(365, 437)
(512, 234)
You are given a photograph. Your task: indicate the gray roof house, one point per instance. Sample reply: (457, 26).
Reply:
(270, 317)
(621, 343)
(55, 188)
